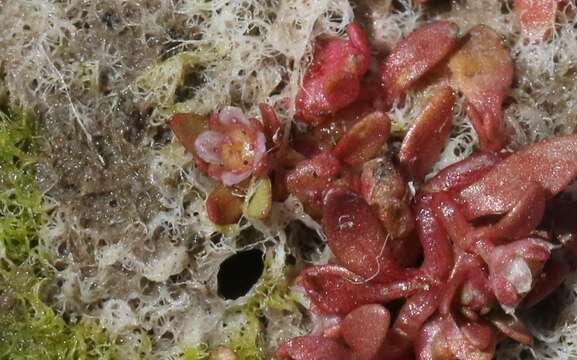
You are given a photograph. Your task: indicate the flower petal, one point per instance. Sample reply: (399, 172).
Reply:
(231, 115)
(207, 146)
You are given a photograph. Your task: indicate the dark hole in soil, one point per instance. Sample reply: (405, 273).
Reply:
(239, 273)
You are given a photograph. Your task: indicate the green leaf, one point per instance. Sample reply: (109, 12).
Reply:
(258, 200)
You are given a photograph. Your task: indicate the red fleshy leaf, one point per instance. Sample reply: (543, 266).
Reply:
(554, 273)
(365, 329)
(416, 55)
(463, 173)
(310, 178)
(335, 290)
(414, 313)
(466, 267)
(515, 267)
(350, 179)
(437, 248)
(536, 17)
(483, 69)
(312, 348)
(512, 327)
(425, 140)
(332, 82)
(356, 237)
(512, 267)
(283, 161)
(466, 271)
(271, 124)
(364, 140)
(520, 221)
(223, 206)
(333, 332)
(481, 336)
(186, 127)
(551, 164)
(454, 222)
(324, 137)
(383, 187)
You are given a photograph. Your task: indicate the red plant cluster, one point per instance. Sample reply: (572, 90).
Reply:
(463, 252)
(476, 271)
(476, 220)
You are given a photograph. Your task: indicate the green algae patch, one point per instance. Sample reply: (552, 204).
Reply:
(20, 198)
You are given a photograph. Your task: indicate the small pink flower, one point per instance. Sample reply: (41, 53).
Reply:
(234, 147)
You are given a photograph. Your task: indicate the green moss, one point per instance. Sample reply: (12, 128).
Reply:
(199, 352)
(245, 343)
(165, 78)
(398, 129)
(30, 329)
(272, 294)
(20, 199)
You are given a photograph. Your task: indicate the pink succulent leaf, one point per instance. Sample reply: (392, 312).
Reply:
(333, 80)
(356, 236)
(483, 70)
(335, 290)
(515, 267)
(550, 163)
(365, 329)
(416, 55)
(435, 241)
(463, 173)
(520, 221)
(312, 348)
